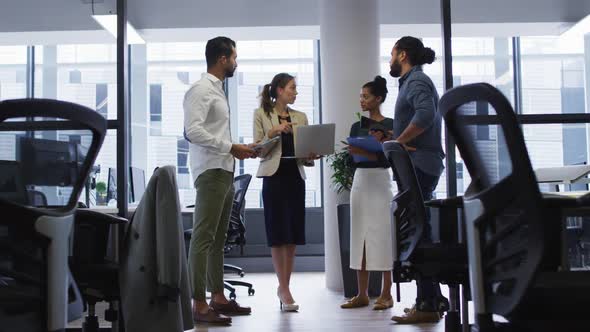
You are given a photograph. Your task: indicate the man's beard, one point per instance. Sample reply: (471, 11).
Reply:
(395, 70)
(230, 72)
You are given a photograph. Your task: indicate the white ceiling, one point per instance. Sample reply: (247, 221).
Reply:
(204, 18)
(48, 15)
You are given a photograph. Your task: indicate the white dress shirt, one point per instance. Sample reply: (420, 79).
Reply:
(206, 126)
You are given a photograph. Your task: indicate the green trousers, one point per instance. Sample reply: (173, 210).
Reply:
(215, 192)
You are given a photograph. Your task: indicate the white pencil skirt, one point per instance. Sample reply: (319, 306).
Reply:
(371, 227)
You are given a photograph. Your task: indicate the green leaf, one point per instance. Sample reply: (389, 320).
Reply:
(340, 162)
(101, 187)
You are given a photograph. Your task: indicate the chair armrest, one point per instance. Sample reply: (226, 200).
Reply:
(565, 201)
(456, 202)
(91, 236)
(584, 200)
(95, 216)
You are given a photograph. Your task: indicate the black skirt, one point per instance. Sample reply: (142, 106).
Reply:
(283, 196)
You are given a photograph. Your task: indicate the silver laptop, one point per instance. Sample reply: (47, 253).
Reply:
(316, 139)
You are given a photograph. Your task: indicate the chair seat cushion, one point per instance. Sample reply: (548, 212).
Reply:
(440, 252)
(553, 200)
(103, 278)
(446, 263)
(558, 295)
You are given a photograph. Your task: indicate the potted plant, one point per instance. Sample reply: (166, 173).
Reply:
(101, 193)
(343, 168)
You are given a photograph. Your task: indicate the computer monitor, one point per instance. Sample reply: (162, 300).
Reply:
(136, 184)
(48, 162)
(112, 184)
(12, 187)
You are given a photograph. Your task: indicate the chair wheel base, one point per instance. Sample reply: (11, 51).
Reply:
(452, 321)
(111, 315)
(90, 324)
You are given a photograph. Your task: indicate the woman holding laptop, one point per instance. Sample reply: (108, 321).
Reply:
(370, 230)
(283, 184)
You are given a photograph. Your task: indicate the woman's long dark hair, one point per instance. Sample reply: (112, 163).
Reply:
(268, 96)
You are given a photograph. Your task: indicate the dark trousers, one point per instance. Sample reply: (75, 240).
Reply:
(429, 297)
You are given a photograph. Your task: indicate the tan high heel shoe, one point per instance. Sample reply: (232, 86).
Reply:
(287, 306)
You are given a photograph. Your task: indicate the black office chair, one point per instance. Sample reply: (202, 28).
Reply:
(236, 233)
(37, 198)
(444, 260)
(514, 233)
(94, 267)
(575, 232)
(37, 291)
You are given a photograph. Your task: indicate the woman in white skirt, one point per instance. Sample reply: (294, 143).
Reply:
(371, 246)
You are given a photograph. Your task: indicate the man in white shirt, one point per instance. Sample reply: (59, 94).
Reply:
(212, 153)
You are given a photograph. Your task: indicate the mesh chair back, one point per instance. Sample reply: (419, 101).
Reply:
(48, 148)
(503, 202)
(237, 225)
(408, 209)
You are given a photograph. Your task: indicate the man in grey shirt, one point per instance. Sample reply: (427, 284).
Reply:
(417, 125)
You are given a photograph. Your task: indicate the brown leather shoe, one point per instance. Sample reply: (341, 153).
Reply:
(230, 308)
(355, 302)
(211, 317)
(413, 316)
(407, 310)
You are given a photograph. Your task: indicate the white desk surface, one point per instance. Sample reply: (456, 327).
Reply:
(564, 174)
(565, 194)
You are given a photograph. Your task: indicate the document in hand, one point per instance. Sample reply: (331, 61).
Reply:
(263, 148)
(368, 143)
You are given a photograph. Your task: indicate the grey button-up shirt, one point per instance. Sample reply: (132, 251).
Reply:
(417, 103)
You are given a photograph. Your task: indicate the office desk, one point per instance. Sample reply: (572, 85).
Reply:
(574, 209)
(566, 175)
(116, 231)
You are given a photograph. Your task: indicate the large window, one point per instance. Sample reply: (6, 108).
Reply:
(553, 83)
(552, 75)
(552, 80)
(258, 62)
(173, 67)
(84, 74)
(474, 60)
(13, 68)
